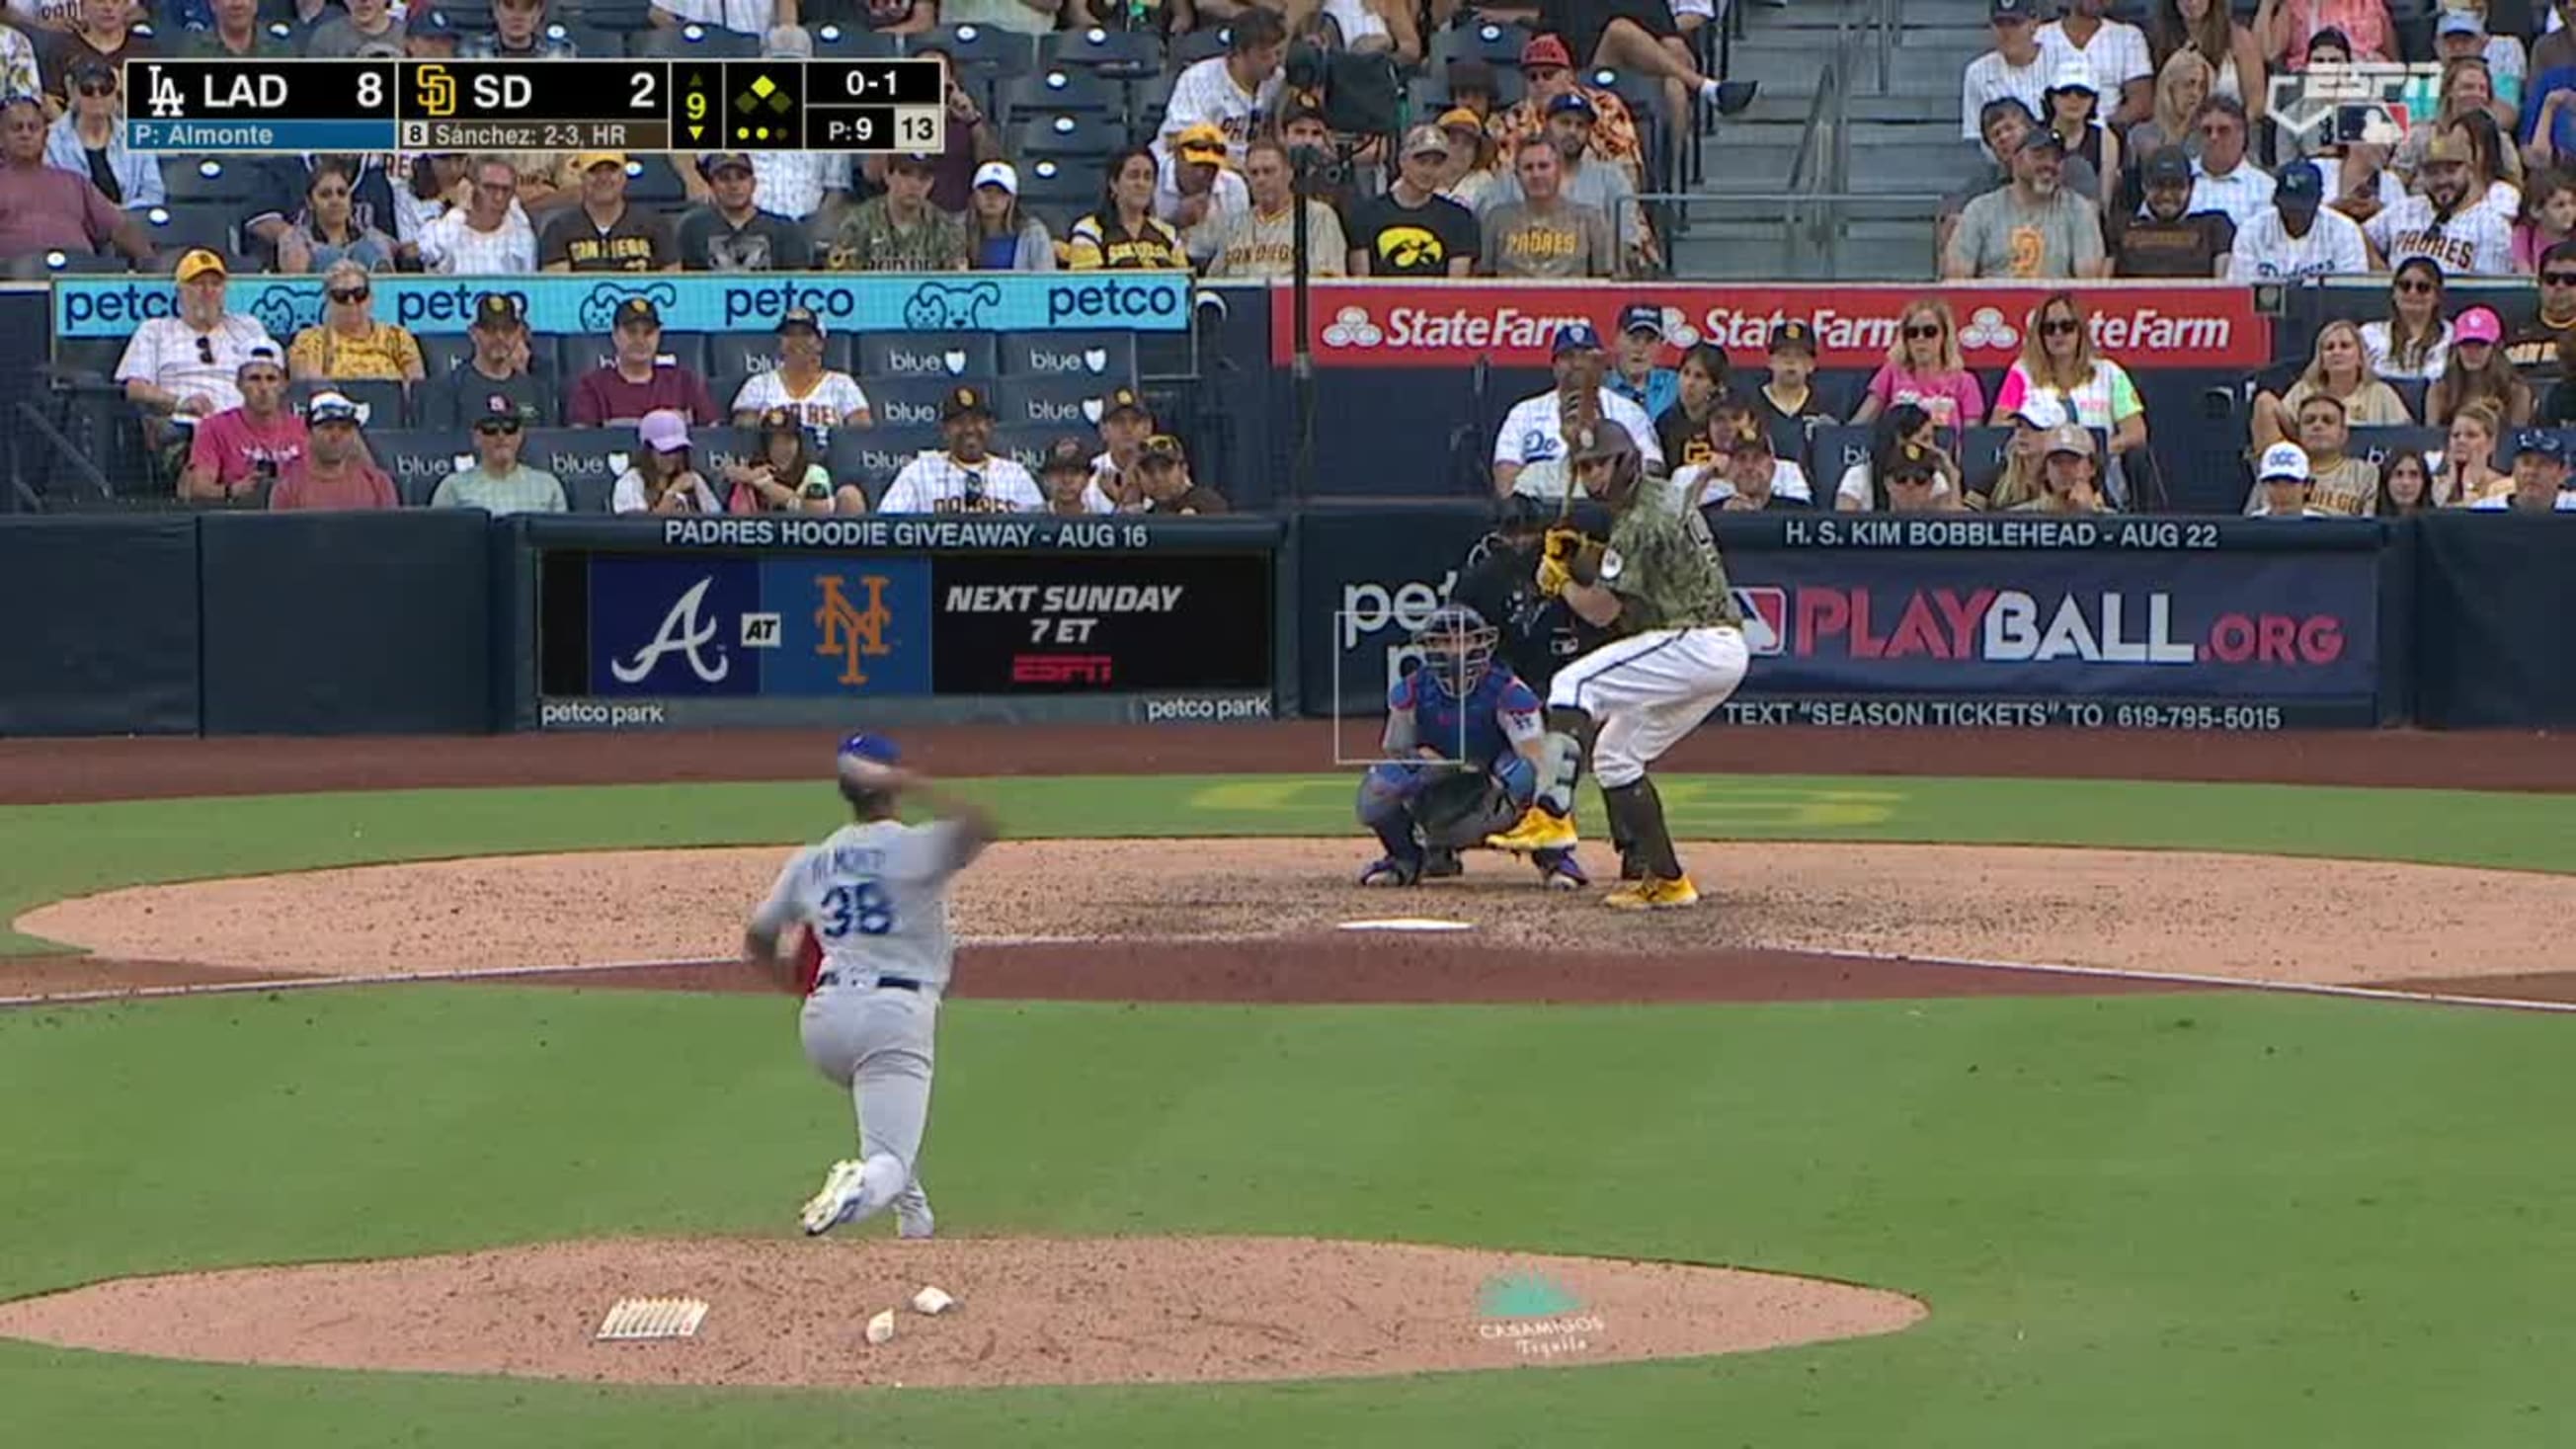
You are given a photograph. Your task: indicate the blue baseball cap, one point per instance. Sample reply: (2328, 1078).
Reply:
(1641, 317)
(2542, 441)
(1574, 337)
(1572, 101)
(875, 749)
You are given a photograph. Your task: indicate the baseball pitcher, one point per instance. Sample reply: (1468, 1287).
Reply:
(1462, 749)
(1680, 653)
(874, 895)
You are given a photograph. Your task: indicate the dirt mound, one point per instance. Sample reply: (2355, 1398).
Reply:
(1029, 1311)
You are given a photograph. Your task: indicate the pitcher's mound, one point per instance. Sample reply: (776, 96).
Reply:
(1029, 1311)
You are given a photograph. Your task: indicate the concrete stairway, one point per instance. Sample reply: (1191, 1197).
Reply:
(1904, 139)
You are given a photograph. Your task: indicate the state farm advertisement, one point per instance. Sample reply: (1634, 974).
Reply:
(1452, 324)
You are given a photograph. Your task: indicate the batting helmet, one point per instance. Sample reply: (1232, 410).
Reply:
(1608, 441)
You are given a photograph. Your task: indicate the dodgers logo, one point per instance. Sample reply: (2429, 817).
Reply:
(598, 310)
(685, 633)
(951, 305)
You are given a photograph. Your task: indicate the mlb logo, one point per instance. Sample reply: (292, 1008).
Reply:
(1766, 617)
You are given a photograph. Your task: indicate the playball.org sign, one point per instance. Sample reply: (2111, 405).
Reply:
(1449, 324)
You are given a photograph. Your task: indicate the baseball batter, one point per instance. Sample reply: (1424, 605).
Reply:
(1462, 750)
(1680, 653)
(874, 894)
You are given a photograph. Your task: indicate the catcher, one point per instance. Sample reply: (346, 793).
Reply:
(1659, 584)
(1462, 756)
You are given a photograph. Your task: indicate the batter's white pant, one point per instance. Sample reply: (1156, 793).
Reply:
(878, 1044)
(1647, 691)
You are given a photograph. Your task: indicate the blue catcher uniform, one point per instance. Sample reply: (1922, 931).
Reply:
(1462, 707)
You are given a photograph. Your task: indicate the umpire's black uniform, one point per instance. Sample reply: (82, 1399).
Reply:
(1499, 580)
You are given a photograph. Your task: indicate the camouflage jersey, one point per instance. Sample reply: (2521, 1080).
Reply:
(1664, 566)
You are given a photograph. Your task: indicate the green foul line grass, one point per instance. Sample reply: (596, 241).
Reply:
(61, 850)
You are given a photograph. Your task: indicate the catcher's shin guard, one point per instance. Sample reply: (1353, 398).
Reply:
(1386, 808)
(1568, 745)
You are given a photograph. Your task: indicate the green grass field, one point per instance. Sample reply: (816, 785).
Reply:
(2176, 1220)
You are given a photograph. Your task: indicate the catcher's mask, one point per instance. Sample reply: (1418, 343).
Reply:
(1605, 461)
(1457, 647)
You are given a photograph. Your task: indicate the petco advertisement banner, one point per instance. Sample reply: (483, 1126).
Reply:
(738, 302)
(1450, 324)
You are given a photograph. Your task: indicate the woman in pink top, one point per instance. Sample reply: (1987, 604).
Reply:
(1924, 368)
(2286, 28)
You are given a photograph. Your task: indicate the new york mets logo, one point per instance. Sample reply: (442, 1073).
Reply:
(848, 630)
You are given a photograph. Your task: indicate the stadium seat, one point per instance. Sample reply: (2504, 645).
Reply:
(590, 42)
(870, 457)
(473, 17)
(180, 227)
(444, 352)
(1833, 447)
(1129, 54)
(388, 404)
(418, 459)
(1497, 43)
(907, 403)
(1053, 405)
(1027, 445)
(938, 356)
(624, 16)
(1068, 134)
(212, 179)
(993, 51)
(36, 266)
(1073, 90)
(1199, 45)
(851, 42)
(1047, 183)
(1148, 100)
(687, 42)
(1103, 359)
(580, 354)
(2378, 445)
(581, 457)
(92, 358)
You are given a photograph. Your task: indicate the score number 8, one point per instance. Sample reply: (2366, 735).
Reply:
(371, 89)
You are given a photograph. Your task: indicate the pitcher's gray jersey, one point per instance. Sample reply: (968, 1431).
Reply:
(876, 897)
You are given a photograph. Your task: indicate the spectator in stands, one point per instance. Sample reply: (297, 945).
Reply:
(2467, 88)
(2359, 183)
(1064, 474)
(2547, 218)
(1541, 234)
(811, 188)
(1584, 181)
(2338, 484)
(2405, 485)
(967, 141)
(2074, 102)
(2018, 68)
(518, 33)
(2007, 125)
(1534, 430)
(2207, 29)
(1194, 190)
(2465, 472)
(1923, 366)
(1234, 92)
(1748, 477)
(2289, 30)
(89, 140)
(44, 208)
(1125, 424)
(2414, 341)
(800, 385)
(1547, 68)
(1786, 392)
(2182, 84)
(2461, 34)
(2539, 476)
(2069, 475)
(660, 479)
(900, 231)
(1471, 172)
(2032, 230)
(237, 34)
(1000, 237)
(966, 478)
(494, 380)
(747, 17)
(499, 483)
(729, 233)
(2166, 238)
(2340, 369)
(2116, 52)
(1164, 483)
(1633, 373)
(334, 474)
(1906, 470)
(2281, 484)
(327, 231)
(433, 185)
(103, 33)
(190, 364)
(236, 453)
(349, 344)
(2057, 358)
(1122, 234)
(1410, 229)
(2298, 238)
(1681, 428)
(2025, 456)
(2477, 369)
(605, 233)
(1472, 87)
(429, 33)
(2225, 179)
(783, 477)
(488, 236)
(640, 380)
(1303, 132)
(2495, 168)
(366, 27)
(1261, 243)
(2558, 409)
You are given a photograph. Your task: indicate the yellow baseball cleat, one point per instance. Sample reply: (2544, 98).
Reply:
(1539, 829)
(1653, 894)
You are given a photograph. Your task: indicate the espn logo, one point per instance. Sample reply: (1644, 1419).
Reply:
(1766, 618)
(1093, 669)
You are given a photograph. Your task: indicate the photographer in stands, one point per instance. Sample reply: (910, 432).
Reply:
(499, 483)
(241, 450)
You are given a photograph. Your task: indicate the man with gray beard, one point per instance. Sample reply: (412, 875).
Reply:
(2033, 230)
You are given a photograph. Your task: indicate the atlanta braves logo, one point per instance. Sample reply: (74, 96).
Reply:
(683, 632)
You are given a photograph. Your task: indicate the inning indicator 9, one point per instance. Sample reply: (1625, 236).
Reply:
(302, 106)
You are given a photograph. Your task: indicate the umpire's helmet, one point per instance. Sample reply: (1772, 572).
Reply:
(1607, 440)
(1457, 647)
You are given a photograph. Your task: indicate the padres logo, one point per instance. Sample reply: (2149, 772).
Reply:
(435, 89)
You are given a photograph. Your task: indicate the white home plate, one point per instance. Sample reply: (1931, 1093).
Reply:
(1408, 923)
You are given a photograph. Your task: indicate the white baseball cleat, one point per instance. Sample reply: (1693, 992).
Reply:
(912, 1220)
(832, 1206)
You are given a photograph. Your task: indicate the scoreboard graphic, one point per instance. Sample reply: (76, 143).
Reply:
(253, 106)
